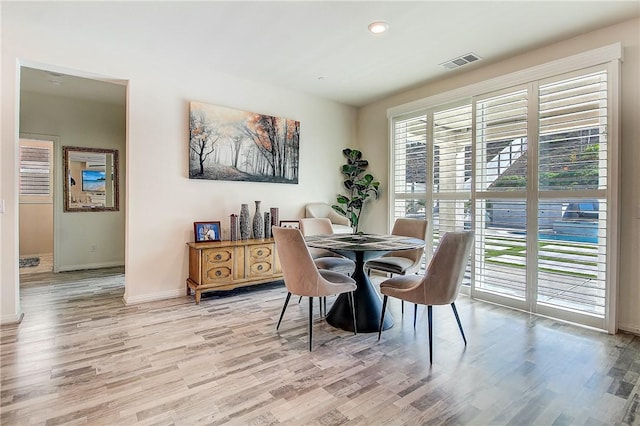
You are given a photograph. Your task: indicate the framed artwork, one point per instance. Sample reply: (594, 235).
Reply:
(290, 224)
(228, 144)
(206, 231)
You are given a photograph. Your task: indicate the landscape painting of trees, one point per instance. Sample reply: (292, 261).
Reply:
(228, 144)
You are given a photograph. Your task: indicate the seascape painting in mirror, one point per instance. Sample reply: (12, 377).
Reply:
(91, 179)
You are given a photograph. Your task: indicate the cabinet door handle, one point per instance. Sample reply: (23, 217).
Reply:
(259, 252)
(259, 267)
(218, 256)
(218, 273)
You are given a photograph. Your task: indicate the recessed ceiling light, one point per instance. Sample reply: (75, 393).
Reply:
(378, 27)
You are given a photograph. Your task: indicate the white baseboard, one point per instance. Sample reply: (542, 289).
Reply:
(152, 297)
(67, 268)
(12, 319)
(629, 328)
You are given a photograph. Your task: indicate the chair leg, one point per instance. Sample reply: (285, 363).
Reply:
(415, 314)
(300, 300)
(352, 302)
(402, 306)
(384, 307)
(310, 321)
(455, 312)
(430, 316)
(286, 302)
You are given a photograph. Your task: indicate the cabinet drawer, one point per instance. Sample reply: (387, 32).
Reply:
(217, 274)
(260, 260)
(217, 265)
(260, 252)
(216, 256)
(260, 268)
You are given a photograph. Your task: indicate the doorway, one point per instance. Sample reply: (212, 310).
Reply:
(36, 204)
(63, 110)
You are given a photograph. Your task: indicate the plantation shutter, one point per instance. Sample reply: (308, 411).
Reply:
(531, 166)
(36, 172)
(409, 166)
(501, 194)
(573, 178)
(452, 171)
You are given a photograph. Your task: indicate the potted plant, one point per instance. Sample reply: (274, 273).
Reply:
(359, 186)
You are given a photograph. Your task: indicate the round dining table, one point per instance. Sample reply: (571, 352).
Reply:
(360, 248)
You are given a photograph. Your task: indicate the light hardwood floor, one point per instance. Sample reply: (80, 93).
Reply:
(81, 357)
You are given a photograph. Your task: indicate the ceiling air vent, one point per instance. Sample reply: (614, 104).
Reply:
(460, 61)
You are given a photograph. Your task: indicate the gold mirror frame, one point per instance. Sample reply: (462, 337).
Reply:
(80, 200)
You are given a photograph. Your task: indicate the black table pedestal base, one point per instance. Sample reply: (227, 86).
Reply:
(368, 306)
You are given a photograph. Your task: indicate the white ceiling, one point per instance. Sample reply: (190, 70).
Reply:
(321, 48)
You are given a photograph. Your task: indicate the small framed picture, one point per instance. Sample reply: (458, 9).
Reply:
(206, 231)
(290, 224)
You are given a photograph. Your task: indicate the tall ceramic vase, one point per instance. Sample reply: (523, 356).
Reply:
(274, 216)
(258, 222)
(245, 228)
(267, 224)
(233, 227)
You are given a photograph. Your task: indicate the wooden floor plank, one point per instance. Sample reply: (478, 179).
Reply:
(81, 357)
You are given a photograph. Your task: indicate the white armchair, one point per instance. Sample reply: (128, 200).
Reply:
(339, 223)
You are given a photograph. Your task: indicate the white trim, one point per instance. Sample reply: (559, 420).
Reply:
(614, 77)
(84, 266)
(562, 314)
(586, 59)
(629, 328)
(532, 201)
(12, 319)
(153, 297)
(391, 197)
(485, 295)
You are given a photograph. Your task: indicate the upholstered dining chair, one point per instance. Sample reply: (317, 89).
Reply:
(402, 262)
(440, 283)
(303, 278)
(325, 259)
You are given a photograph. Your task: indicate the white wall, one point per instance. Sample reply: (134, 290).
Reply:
(373, 139)
(162, 203)
(85, 124)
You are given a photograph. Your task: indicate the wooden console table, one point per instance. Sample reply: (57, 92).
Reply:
(225, 265)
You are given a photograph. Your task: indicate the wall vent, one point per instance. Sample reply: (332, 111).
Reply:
(460, 61)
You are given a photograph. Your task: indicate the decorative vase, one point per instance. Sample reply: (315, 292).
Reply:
(245, 229)
(274, 216)
(267, 225)
(233, 231)
(258, 222)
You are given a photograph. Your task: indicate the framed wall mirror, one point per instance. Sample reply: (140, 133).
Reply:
(91, 179)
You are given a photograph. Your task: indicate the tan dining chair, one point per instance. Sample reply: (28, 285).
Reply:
(303, 278)
(402, 262)
(325, 259)
(440, 283)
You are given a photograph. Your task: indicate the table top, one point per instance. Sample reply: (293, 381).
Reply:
(364, 242)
